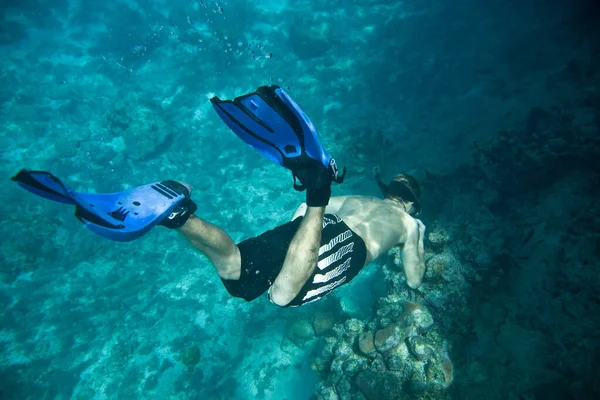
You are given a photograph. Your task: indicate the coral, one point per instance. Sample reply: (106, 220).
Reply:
(442, 266)
(143, 126)
(300, 331)
(86, 394)
(314, 41)
(596, 251)
(380, 386)
(12, 33)
(190, 357)
(366, 344)
(551, 142)
(437, 238)
(402, 357)
(421, 348)
(387, 338)
(402, 352)
(324, 321)
(416, 315)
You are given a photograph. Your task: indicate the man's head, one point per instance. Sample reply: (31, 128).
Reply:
(406, 189)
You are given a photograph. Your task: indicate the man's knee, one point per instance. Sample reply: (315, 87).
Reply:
(281, 295)
(230, 266)
(229, 274)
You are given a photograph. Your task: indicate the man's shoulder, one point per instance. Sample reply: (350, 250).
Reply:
(356, 198)
(368, 207)
(372, 202)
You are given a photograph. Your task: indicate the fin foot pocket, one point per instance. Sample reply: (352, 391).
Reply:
(121, 216)
(270, 122)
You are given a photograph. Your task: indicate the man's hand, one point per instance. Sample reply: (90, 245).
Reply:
(382, 186)
(377, 173)
(421, 245)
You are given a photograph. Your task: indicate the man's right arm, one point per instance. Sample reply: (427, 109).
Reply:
(382, 186)
(413, 254)
(335, 203)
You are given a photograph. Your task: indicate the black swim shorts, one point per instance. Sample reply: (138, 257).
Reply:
(341, 257)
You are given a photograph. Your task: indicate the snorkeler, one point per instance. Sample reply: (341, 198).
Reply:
(325, 245)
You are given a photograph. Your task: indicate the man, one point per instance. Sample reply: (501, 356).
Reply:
(322, 248)
(325, 245)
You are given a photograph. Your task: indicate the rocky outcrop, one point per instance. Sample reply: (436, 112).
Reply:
(300, 331)
(403, 358)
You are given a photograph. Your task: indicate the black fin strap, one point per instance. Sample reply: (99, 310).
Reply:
(318, 197)
(333, 177)
(298, 186)
(180, 214)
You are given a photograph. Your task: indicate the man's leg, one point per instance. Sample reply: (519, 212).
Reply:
(215, 244)
(301, 258)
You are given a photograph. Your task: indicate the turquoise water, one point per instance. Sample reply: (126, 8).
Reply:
(111, 95)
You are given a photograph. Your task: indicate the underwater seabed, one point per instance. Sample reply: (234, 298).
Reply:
(493, 105)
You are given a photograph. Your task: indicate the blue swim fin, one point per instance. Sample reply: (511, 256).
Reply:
(275, 126)
(122, 216)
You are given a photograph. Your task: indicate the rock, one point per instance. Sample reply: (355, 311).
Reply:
(490, 197)
(336, 366)
(338, 331)
(436, 298)
(387, 338)
(448, 369)
(366, 344)
(328, 348)
(86, 394)
(400, 361)
(396, 254)
(438, 238)
(417, 383)
(417, 315)
(394, 363)
(343, 351)
(325, 392)
(320, 365)
(401, 351)
(344, 388)
(120, 355)
(289, 347)
(443, 266)
(300, 331)
(439, 375)
(380, 386)
(378, 364)
(190, 357)
(354, 325)
(421, 348)
(145, 348)
(310, 37)
(537, 119)
(323, 323)
(351, 367)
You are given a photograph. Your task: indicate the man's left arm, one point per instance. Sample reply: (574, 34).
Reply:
(421, 247)
(413, 253)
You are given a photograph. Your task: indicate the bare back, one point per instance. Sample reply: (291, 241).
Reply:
(382, 224)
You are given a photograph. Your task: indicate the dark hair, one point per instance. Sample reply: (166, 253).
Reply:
(406, 188)
(411, 183)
